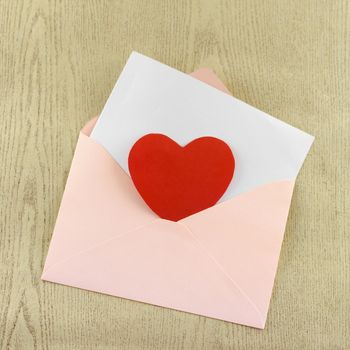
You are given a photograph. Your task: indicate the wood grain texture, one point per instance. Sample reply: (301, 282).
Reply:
(59, 60)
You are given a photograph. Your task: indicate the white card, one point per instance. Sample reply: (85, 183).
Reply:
(151, 97)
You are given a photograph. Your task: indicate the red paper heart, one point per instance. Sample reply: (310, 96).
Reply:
(176, 181)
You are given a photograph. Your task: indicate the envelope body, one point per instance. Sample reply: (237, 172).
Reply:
(218, 263)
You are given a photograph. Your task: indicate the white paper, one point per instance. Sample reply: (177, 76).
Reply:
(150, 97)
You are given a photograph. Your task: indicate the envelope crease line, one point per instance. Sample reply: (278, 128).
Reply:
(221, 268)
(46, 269)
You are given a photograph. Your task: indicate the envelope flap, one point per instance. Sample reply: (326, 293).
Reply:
(244, 235)
(99, 202)
(162, 264)
(207, 76)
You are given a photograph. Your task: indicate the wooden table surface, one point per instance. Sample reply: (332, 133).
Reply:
(59, 60)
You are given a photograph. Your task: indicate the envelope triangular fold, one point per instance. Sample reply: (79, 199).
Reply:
(244, 236)
(99, 201)
(159, 264)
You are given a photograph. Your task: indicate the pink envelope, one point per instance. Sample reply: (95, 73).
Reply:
(219, 263)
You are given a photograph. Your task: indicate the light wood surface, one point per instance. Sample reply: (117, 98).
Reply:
(59, 60)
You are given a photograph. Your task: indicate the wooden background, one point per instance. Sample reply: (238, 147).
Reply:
(59, 60)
